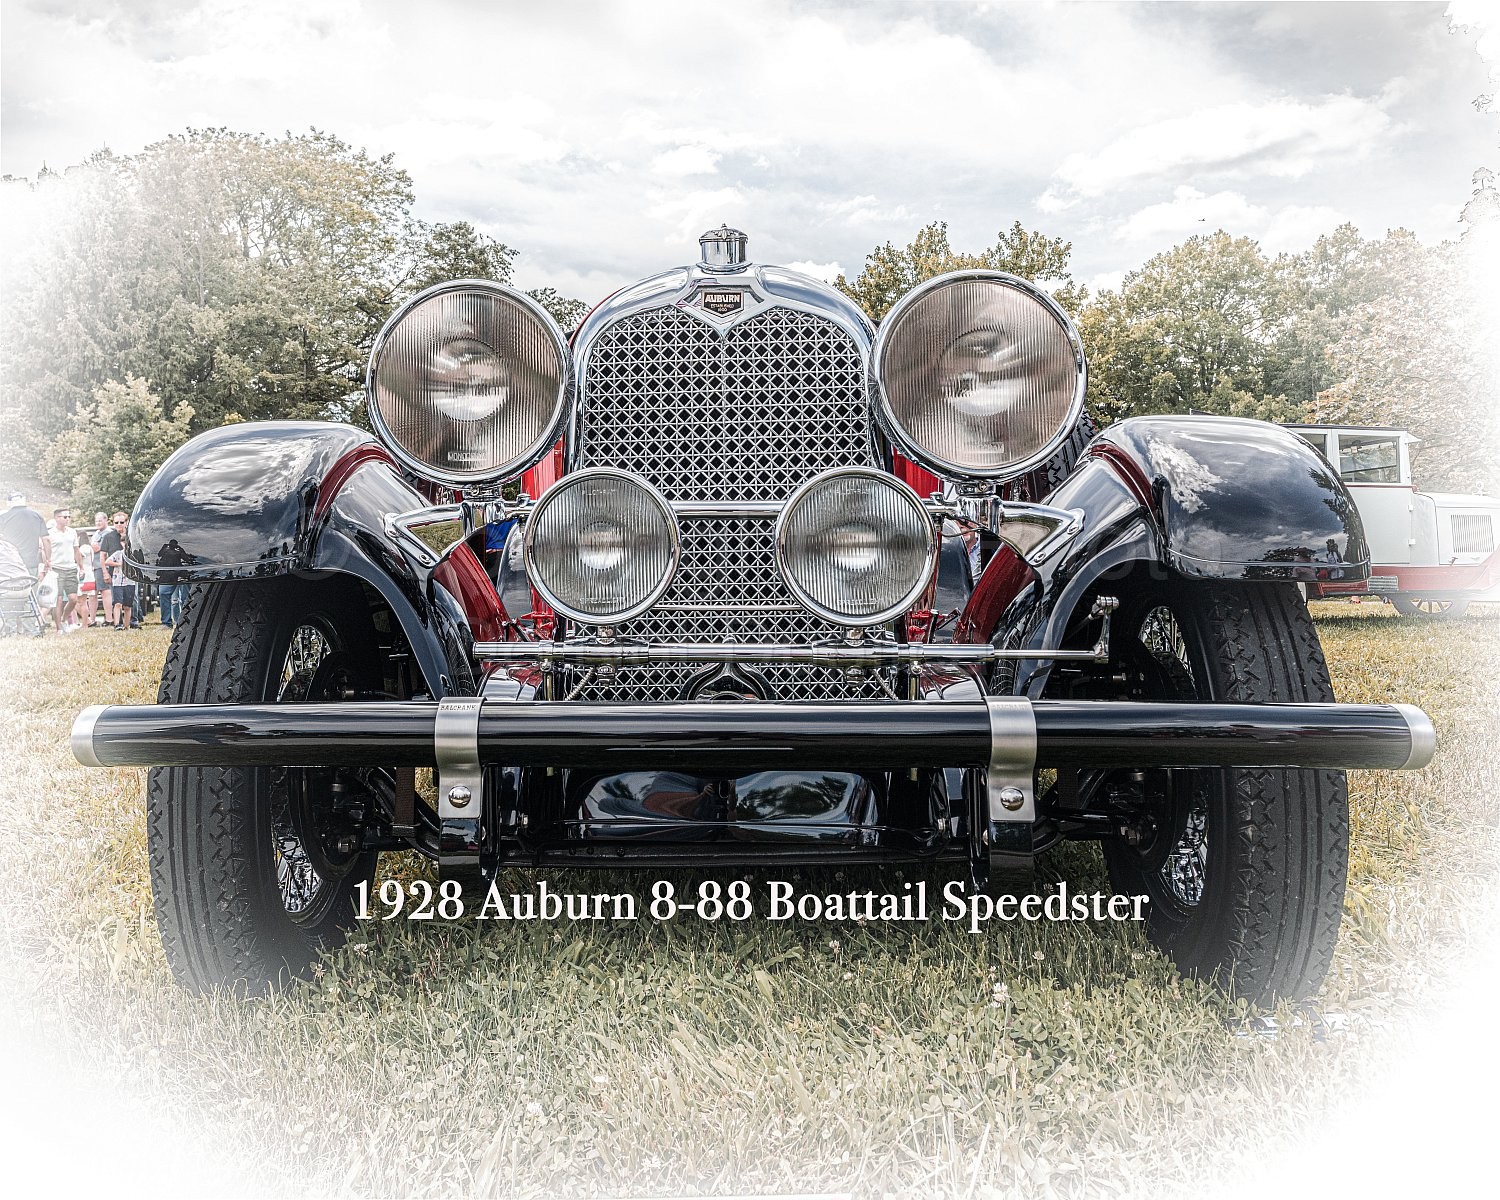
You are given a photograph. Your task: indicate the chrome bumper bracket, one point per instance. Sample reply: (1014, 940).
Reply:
(455, 747)
(1012, 766)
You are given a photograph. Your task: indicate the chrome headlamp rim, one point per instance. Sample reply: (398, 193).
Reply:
(674, 534)
(844, 620)
(940, 466)
(537, 450)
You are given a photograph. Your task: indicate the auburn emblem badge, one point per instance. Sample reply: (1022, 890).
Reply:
(724, 302)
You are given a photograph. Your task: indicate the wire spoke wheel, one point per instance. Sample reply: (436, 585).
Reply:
(1243, 867)
(310, 844)
(254, 868)
(1442, 609)
(1184, 868)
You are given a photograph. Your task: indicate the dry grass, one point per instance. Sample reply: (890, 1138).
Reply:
(646, 1059)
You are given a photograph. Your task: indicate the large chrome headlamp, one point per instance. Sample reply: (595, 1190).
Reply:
(469, 382)
(855, 546)
(602, 546)
(978, 375)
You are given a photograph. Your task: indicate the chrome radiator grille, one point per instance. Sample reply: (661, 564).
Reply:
(745, 416)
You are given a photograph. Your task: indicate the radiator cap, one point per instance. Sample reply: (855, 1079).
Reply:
(723, 249)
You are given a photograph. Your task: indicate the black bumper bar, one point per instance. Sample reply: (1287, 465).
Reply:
(726, 739)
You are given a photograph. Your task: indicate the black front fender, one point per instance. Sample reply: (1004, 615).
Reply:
(1239, 499)
(242, 501)
(1209, 497)
(270, 498)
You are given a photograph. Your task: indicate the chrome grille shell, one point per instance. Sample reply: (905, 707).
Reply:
(745, 407)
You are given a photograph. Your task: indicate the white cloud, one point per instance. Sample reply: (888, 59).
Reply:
(827, 272)
(1105, 281)
(864, 210)
(689, 214)
(1054, 201)
(1296, 227)
(1479, 16)
(822, 131)
(686, 160)
(1290, 227)
(1281, 137)
(1191, 212)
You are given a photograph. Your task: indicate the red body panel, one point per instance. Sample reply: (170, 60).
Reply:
(919, 479)
(464, 575)
(1126, 468)
(542, 476)
(1454, 578)
(1006, 576)
(461, 572)
(536, 481)
(339, 473)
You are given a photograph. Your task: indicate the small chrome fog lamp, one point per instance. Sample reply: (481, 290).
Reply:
(602, 546)
(855, 546)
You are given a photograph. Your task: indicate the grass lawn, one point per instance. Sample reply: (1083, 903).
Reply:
(683, 1058)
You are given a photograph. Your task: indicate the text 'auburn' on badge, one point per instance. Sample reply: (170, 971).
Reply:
(723, 303)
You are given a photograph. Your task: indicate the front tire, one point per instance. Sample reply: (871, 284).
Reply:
(1245, 868)
(253, 869)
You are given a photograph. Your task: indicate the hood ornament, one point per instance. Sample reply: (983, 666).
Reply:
(723, 249)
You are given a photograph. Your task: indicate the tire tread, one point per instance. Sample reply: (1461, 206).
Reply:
(1291, 851)
(218, 923)
(1276, 911)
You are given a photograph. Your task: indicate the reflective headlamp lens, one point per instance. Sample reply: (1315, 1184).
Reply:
(602, 546)
(978, 375)
(469, 382)
(855, 546)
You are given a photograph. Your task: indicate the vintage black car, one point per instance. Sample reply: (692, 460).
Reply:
(730, 577)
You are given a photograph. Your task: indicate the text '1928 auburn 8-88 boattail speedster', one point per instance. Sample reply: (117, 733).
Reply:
(730, 577)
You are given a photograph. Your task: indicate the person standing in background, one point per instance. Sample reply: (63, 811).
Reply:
(88, 589)
(170, 585)
(122, 589)
(67, 566)
(102, 594)
(23, 527)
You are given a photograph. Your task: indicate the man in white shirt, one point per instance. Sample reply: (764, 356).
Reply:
(67, 566)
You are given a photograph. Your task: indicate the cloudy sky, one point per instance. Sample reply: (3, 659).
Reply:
(601, 138)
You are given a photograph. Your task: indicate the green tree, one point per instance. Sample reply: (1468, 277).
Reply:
(458, 251)
(1191, 329)
(115, 443)
(567, 313)
(1421, 353)
(240, 275)
(890, 273)
(1323, 287)
(245, 277)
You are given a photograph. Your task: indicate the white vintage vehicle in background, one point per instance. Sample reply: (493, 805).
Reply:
(1431, 553)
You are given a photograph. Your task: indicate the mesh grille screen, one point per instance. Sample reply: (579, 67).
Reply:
(747, 416)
